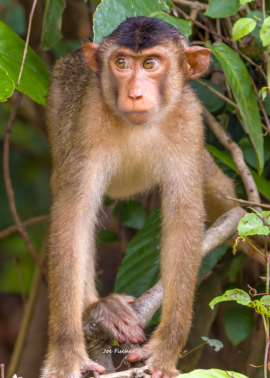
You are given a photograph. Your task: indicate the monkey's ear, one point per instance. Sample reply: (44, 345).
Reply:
(90, 51)
(198, 60)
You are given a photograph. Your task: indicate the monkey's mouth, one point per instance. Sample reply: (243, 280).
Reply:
(139, 117)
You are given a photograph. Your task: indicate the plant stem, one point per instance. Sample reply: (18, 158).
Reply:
(267, 318)
(253, 246)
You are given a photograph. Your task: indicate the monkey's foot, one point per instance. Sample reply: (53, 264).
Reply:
(156, 368)
(68, 365)
(117, 318)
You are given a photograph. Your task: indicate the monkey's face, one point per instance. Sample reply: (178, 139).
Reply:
(138, 80)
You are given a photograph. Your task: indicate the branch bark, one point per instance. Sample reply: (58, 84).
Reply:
(237, 155)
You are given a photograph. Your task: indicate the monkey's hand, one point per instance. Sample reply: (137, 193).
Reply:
(68, 362)
(159, 364)
(114, 315)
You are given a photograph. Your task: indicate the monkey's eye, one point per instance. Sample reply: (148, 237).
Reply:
(121, 63)
(150, 64)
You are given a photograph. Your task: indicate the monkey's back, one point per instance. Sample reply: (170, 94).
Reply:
(68, 84)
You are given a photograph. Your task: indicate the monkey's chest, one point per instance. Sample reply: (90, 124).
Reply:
(135, 171)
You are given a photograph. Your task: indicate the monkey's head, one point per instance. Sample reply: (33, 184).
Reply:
(143, 67)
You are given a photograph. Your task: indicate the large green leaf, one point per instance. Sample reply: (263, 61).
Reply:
(52, 22)
(252, 224)
(238, 323)
(210, 100)
(237, 295)
(222, 8)
(265, 32)
(140, 267)
(35, 76)
(183, 26)
(7, 85)
(110, 13)
(262, 184)
(238, 77)
(212, 373)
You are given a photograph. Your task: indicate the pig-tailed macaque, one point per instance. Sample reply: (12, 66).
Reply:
(122, 120)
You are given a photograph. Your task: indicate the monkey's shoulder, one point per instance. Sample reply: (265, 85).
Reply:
(70, 70)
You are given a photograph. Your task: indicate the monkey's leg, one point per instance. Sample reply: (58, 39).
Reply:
(217, 186)
(73, 216)
(182, 233)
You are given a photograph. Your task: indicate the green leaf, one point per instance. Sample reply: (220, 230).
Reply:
(259, 307)
(107, 236)
(242, 27)
(6, 85)
(262, 184)
(222, 8)
(256, 211)
(211, 260)
(210, 100)
(109, 14)
(52, 23)
(139, 270)
(133, 214)
(214, 343)
(265, 32)
(256, 15)
(251, 224)
(238, 77)
(238, 323)
(237, 295)
(183, 26)
(212, 373)
(35, 76)
(245, 1)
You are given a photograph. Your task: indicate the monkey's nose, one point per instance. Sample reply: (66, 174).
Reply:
(136, 94)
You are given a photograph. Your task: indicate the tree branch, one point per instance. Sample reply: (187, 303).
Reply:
(237, 156)
(30, 222)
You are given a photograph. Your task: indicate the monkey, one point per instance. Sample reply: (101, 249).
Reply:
(123, 119)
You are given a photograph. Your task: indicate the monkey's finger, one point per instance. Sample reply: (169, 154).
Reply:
(93, 367)
(156, 374)
(133, 357)
(129, 299)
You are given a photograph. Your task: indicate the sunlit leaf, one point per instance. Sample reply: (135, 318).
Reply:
(237, 295)
(252, 224)
(52, 23)
(6, 85)
(212, 373)
(265, 32)
(110, 13)
(35, 76)
(238, 77)
(242, 27)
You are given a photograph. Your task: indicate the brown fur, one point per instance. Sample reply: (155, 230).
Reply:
(96, 151)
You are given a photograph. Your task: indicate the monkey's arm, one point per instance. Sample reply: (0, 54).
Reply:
(77, 194)
(182, 234)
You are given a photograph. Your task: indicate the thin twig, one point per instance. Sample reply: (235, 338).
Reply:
(187, 17)
(192, 4)
(27, 40)
(16, 262)
(249, 202)
(217, 93)
(10, 230)
(237, 155)
(8, 185)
